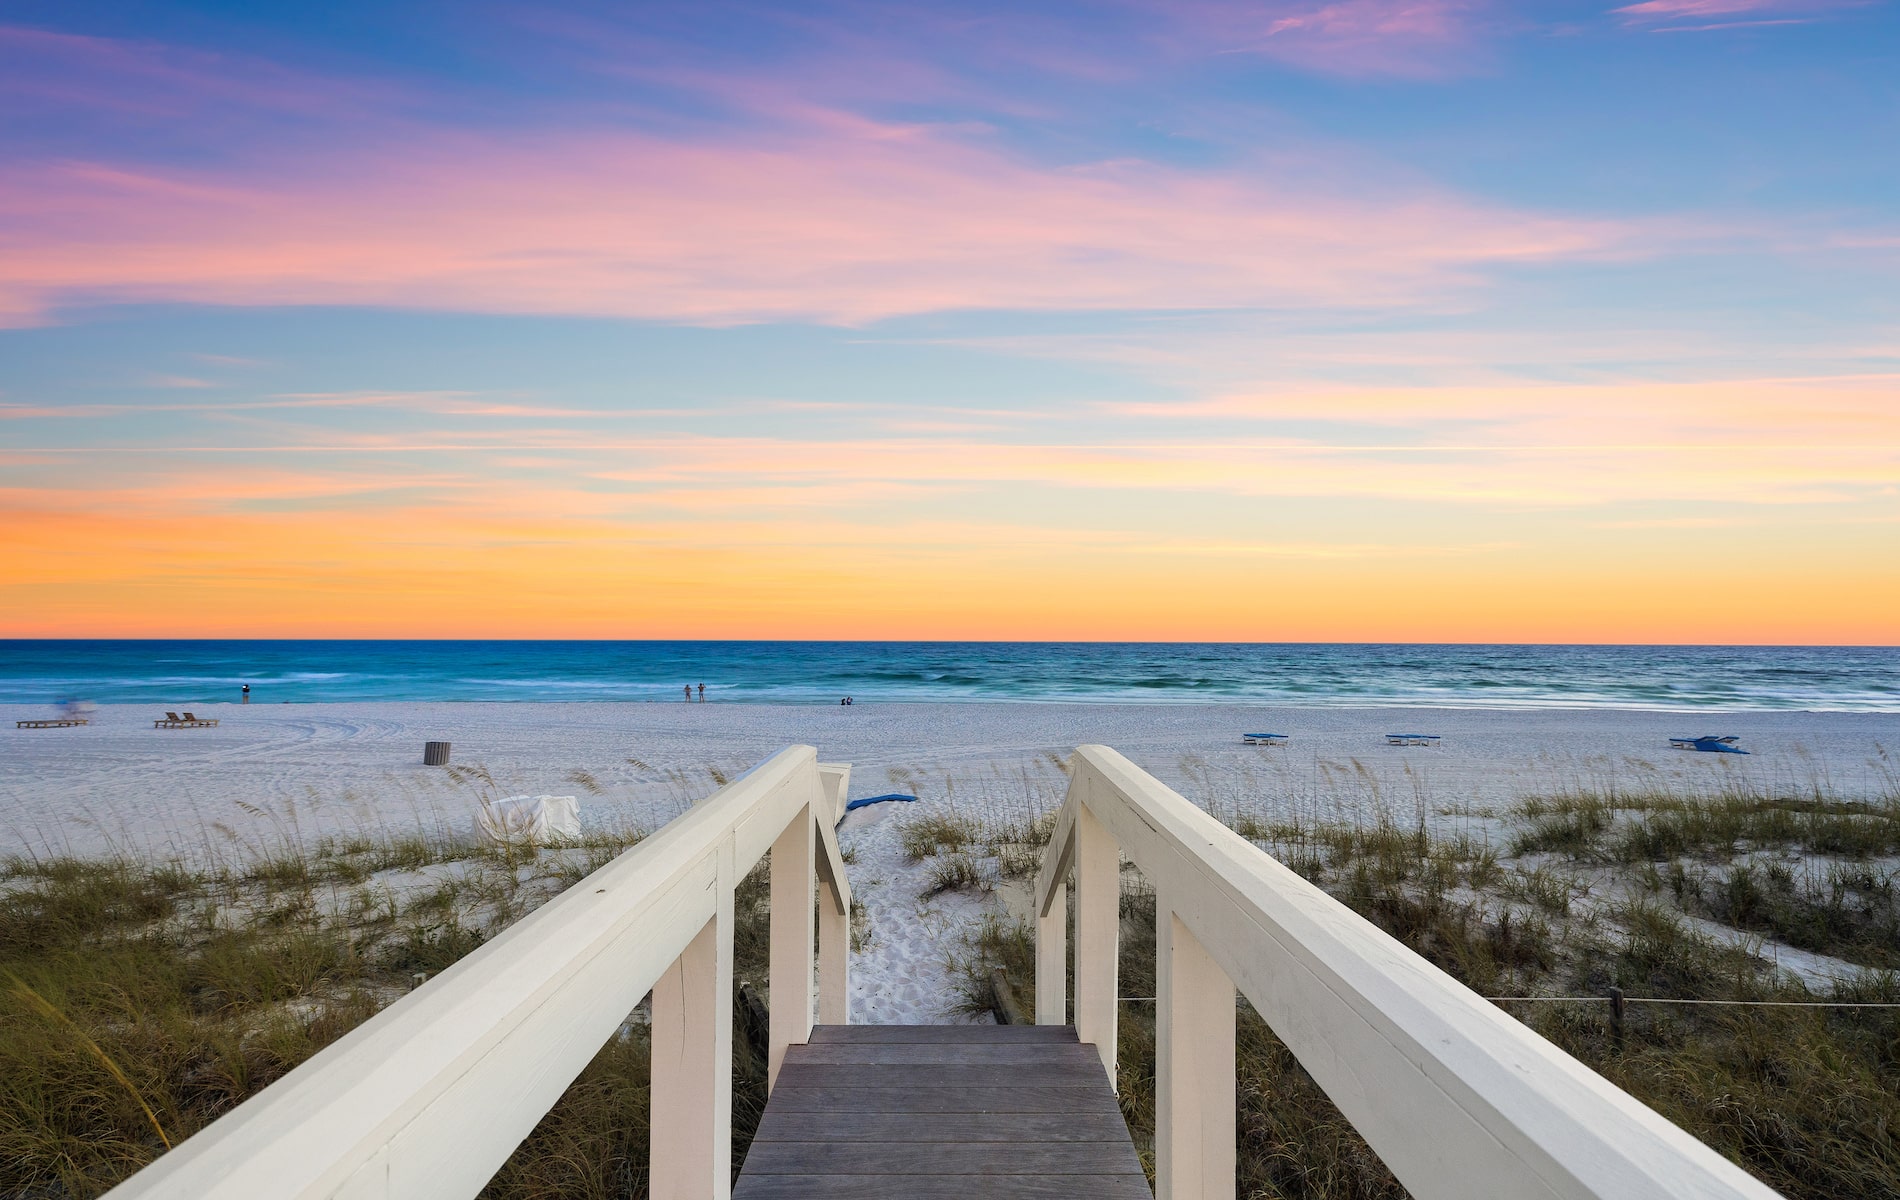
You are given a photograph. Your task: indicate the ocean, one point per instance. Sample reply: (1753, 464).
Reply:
(183, 673)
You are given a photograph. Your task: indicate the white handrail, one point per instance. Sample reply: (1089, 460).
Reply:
(429, 1097)
(1456, 1097)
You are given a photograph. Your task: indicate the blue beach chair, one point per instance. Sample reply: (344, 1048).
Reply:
(1411, 739)
(1263, 739)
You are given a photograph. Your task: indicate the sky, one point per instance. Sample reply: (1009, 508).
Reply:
(1291, 320)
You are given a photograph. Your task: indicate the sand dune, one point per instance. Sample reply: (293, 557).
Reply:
(291, 773)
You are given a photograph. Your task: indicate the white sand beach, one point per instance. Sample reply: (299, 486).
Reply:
(271, 774)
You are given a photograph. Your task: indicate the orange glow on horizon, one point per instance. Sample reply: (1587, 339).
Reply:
(418, 573)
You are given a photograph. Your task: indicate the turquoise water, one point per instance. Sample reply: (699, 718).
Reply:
(177, 673)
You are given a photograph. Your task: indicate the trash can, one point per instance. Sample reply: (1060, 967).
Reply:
(435, 754)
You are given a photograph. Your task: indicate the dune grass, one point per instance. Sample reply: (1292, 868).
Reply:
(1804, 1098)
(139, 1002)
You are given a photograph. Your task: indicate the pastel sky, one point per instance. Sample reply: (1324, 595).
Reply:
(1397, 320)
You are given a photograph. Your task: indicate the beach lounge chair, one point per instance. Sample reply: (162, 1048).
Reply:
(71, 712)
(1708, 744)
(1411, 739)
(187, 721)
(1263, 739)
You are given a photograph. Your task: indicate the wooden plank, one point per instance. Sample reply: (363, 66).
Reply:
(957, 1034)
(1031, 1056)
(913, 1099)
(782, 1124)
(907, 1158)
(941, 1187)
(940, 1075)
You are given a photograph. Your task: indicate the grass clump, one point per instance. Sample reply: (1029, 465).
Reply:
(937, 833)
(955, 873)
(1845, 910)
(1656, 826)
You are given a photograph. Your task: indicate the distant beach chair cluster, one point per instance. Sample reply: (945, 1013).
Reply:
(1391, 739)
(1708, 743)
(188, 721)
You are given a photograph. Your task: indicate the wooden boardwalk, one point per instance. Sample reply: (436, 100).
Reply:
(942, 1112)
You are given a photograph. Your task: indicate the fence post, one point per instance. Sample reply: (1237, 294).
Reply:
(1052, 959)
(1098, 883)
(690, 1127)
(1194, 1066)
(793, 873)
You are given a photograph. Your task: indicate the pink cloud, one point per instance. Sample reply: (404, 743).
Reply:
(1692, 10)
(844, 221)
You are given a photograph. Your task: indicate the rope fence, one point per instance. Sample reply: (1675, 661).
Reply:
(1674, 1000)
(1615, 1000)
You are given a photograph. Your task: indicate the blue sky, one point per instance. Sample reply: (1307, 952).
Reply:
(1564, 321)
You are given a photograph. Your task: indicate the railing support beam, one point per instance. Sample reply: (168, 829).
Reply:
(793, 876)
(1194, 1066)
(834, 959)
(691, 1095)
(1098, 884)
(1052, 959)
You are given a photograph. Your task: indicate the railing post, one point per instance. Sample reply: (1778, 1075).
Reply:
(1194, 1066)
(834, 959)
(834, 780)
(793, 874)
(1098, 884)
(1052, 959)
(690, 1126)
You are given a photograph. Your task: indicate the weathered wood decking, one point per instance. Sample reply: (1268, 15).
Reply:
(942, 1112)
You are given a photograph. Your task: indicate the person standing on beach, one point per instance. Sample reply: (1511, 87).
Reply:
(702, 693)
(688, 689)
(247, 693)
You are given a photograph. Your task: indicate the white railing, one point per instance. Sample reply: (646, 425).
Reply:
(1457, 1098)
(429, 1097)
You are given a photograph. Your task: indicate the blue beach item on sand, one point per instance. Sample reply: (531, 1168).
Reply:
(1411, 739)
(1708, 744)
(1264, 739)
(860, 803)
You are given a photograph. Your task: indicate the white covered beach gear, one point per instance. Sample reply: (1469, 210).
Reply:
(540, 820)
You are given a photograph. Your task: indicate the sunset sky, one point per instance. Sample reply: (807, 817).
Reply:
(1398, 320)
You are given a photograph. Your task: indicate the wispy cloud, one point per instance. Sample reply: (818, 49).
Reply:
(1693, 15)
(1421, 39)
(156, 80)
(867, 223)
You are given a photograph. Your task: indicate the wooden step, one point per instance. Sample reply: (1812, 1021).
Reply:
(942, 1111)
